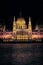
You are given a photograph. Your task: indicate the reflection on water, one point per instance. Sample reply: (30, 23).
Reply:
(21, 54)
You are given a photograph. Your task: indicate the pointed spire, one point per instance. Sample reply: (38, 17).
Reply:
(14, 18)
(4, 28)
(14, 21)
(37, 27)
(29, 18)
(20, 13)
(29, 25)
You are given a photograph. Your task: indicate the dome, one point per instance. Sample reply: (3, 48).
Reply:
(20, 21)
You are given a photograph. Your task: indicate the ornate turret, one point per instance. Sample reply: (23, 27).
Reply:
(29, 25)
(4, 28)
(14, 26)
(29, 29)
(37, 27)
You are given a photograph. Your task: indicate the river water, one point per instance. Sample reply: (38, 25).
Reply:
(21, 54)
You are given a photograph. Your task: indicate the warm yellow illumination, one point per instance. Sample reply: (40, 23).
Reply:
(20, 23)
(14, 26)
(20, 31)
(29, 25)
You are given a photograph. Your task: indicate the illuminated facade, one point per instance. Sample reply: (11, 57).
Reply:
(20, 31)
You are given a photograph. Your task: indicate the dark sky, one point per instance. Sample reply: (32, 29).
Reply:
(9, 9)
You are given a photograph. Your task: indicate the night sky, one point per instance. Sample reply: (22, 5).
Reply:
(9, 9)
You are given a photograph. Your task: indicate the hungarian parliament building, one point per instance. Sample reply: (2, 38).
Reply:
(20, 31)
